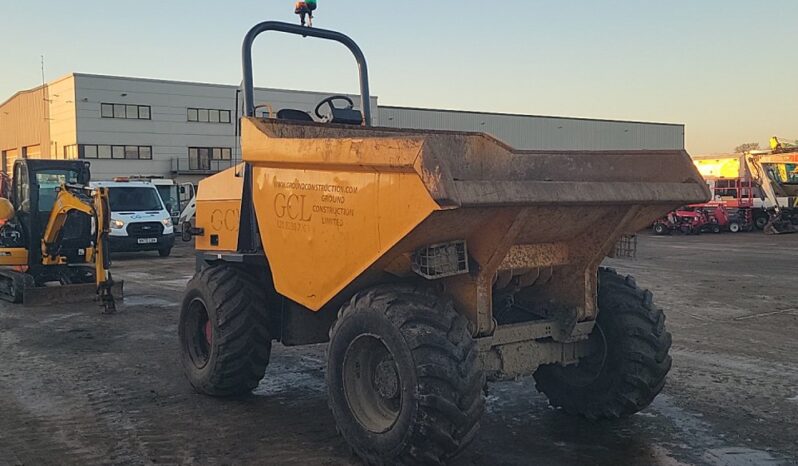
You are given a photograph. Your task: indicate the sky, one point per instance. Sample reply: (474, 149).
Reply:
(725, 68)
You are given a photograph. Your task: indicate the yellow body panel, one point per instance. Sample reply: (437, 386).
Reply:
(328, 208)
(326, 227)
(219, 210)
(13, 256)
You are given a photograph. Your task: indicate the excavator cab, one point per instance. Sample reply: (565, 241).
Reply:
(34, 189)
(52, 230)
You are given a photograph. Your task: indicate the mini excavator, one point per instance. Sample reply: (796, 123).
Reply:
(54, 231)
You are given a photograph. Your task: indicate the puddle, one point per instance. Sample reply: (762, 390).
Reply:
(138, 300)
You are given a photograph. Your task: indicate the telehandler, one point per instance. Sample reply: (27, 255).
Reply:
(54, 229)
(776, 173)
(430, 261)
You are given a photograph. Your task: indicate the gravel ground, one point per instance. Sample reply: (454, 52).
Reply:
(80, 388)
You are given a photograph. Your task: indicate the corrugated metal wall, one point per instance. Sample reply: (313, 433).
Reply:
(542, 133)
(24, 120)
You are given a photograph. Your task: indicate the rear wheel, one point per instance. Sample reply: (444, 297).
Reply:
(734, 227)
(760, 221)
(630, 363)
(403, 375)
(224, 340)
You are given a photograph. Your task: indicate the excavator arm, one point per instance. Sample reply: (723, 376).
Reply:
(94, 203)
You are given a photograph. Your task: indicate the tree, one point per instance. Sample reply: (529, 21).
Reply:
(748, 146)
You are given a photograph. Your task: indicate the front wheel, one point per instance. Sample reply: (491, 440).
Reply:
(660, 229)
(734, 227)
(224, 341)
(164, 252)
(403, 375)
(629, 364)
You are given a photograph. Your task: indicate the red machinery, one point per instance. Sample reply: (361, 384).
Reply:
(689, 222)
(725, 216)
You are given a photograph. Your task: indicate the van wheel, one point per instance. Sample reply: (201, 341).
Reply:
(631, 361)
(404, 379)
(165, 252)
(224, 340)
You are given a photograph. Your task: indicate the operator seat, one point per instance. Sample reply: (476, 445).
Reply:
(294, 115)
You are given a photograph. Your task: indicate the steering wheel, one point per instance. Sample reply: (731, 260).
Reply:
(329, 101)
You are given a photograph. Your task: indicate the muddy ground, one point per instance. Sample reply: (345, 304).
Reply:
(80, 388)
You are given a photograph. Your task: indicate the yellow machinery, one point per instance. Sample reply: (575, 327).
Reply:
(776, 172)
(54, 229)
(429, 260)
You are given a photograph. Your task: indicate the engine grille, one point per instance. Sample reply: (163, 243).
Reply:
(145, 229)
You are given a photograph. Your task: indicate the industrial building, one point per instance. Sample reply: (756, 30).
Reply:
(184, 130)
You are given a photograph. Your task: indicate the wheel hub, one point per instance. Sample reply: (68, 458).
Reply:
(198, 339)
(386, 380)
(372, 384)
(208, 332)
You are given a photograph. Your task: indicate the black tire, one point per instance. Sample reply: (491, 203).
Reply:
(224, 340)
(734, 227)
(715, 228)
(760, 221)
(403, 375)
(629, 371)
(660, 229)
(165, 252)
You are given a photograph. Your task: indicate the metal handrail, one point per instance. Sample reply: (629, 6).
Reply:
(249, 39)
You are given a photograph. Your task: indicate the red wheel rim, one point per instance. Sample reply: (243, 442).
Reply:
(208, 332)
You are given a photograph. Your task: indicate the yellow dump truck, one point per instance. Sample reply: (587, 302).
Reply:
(430, 261)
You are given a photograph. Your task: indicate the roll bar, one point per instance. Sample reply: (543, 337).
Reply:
(249, 39)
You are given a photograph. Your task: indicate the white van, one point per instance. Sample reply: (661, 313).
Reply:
(139, 219)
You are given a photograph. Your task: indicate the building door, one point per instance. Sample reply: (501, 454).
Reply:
(32, 152)
(9, 156)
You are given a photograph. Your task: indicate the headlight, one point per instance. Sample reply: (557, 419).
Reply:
(167, 222)
(117, 224)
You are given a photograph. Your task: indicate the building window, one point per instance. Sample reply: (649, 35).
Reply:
(108, 151)
(129, 112)
(209, 115)
(199, 158)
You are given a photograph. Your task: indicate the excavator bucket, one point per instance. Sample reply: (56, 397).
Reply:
(66, 294)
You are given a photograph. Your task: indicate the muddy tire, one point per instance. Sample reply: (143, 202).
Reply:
(224, 341)
(404, 379)
(629, 368)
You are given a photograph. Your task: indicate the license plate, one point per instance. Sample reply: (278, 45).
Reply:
(148, 240)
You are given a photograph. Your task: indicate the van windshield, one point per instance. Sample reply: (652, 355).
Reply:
(134, 199)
